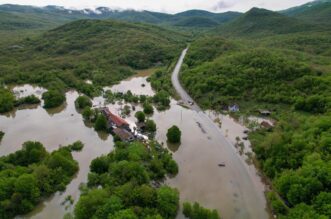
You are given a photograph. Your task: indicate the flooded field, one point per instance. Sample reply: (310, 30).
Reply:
(61, 126)
(235, 190)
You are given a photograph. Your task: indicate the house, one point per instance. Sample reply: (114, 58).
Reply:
(233, 108)
(124, 134)
(114, 120)
(265, 112)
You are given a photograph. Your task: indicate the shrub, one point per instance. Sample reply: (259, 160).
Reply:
(150, 126)
(140, 116)
(148, 108)
(82, 102)
(53, 98)
(100, 123)
(196, 211)
(32, 99)
(76, 146)
(174, 134)
(7, 100)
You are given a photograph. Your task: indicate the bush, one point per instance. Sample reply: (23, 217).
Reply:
(148, 109)
(101, 123)
(167, 201)
(32, 99)
(174, 134)
(82, 102)
(7, 100)
(150, 126)
(162, 99)
(140, 116)
(87, 113)
(76, 146)
(53, 98)
(196, 211)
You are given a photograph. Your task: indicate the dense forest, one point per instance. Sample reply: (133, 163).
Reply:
(32, 174)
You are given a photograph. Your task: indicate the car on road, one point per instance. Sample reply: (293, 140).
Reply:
(222, 164)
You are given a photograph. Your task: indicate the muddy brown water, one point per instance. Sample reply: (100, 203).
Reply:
(236, 190)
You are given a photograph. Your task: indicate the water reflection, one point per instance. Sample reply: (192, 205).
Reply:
(173, 147)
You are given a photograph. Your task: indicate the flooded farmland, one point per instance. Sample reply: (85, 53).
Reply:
(235, 190)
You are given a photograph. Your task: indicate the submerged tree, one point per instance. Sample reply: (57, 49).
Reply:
(174, 134)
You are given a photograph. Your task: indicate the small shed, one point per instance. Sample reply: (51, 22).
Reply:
(124, 134)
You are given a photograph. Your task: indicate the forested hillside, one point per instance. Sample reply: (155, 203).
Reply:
(51, 16)
(102, 51)
(261, 22)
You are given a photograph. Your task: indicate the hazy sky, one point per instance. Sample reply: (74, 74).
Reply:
(170, 6)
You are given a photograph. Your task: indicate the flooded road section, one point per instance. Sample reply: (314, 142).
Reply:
(235, 190)
(61, 126)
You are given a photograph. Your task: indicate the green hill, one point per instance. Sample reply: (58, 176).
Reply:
(102, 51)
(261, 22)
(196, 22)
(51, 16)
(303, 8)
(320, 14)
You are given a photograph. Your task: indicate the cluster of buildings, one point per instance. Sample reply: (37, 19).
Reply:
(118, 125)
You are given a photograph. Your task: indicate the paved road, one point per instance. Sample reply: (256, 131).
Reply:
(237, 178)
(180, 90)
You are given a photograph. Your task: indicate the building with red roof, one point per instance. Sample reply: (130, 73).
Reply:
(114, 120)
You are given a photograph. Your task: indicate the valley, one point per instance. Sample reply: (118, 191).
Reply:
(248, 91)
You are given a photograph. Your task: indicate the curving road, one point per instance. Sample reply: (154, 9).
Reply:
(236, 190)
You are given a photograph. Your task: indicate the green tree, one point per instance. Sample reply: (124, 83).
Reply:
(100, 165)
(148, 109)
(53, 98)
(26, 186)
(7, 100)
(198, 212)
(162, 99)
(150, 126)
(124, 214)
(167, 201)
(322, 204)
(89, 203)
(83, 101)
(140, 116)
(174, 134)
(101, 123)
(87, 113)
(303, 211)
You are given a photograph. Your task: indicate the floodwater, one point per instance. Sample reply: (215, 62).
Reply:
(61, 126)
(236, 190)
